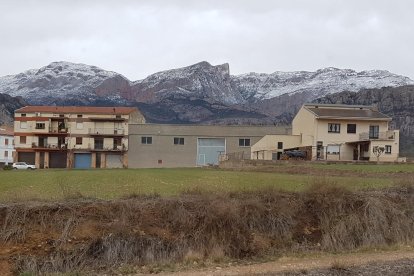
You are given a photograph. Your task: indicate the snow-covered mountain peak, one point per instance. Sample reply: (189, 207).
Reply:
(198, 81)
(57, 80)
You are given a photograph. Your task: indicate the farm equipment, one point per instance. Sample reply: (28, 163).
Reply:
(294, 155)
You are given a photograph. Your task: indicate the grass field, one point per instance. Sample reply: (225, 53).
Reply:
(110, 184)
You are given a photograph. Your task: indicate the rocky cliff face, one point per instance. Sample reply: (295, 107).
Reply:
(200, 93)
(8, 105)
(214, 84)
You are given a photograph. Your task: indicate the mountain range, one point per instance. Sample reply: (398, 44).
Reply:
(203, 93)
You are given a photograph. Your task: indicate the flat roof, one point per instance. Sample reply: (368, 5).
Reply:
(206, 130)
(77, 109)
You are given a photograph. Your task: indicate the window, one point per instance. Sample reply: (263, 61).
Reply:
(6, 141)
(351, 128)
(118, 116)
(387, 149)
(334, 128)
(279, 145)
(61, 115)
(23, 124)
(6, 154)
(146, 140)
(373, 132)
(333, 149)
(79, 140)
(178, 141)
(23, 115)
(40, 125)
(79, 116)
(244, 142)
(79, 125)
(22, 139)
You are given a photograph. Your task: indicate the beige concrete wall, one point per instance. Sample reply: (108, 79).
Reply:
(343, 136)
(346, 150)
(304, 124)
(163, 148)
(385, 157)
(264, 147)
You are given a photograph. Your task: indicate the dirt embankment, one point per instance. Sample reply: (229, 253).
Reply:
(91, 235)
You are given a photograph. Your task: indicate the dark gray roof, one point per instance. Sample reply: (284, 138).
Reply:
(350, 112)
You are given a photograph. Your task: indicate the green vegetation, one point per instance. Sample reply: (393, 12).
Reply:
(110, 184)
(369, 168)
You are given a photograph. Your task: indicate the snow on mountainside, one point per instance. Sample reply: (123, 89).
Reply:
(62, 80)
(84, 84)
(201, 80)
(315, 84)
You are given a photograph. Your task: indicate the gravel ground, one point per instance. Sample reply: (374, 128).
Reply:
(403, 267)
(373, 264)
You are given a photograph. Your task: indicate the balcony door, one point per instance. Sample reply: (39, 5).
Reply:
(99, 143)
(42, 142)
(373, 132)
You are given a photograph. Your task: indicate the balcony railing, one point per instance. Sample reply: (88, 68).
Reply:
(58, 130)
(106, 131)
(110, 148)
(387, 135)
(50, 146)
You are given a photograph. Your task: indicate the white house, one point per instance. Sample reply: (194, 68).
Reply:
(6, 145)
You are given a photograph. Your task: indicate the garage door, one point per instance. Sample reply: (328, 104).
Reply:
(28, 157)
(57, 160)
(209, 149)
(114, 161)
(83, 160)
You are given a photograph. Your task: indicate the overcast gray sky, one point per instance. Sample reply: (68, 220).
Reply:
(137, 38)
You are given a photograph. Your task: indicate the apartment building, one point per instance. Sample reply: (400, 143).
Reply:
(73, 136)
(336, 132)
(6, 145)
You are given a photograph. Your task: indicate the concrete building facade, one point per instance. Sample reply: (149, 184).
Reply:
(73, 137)
(162, 145)
(339, 132)
(6, 145)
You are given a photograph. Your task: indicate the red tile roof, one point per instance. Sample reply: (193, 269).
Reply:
(6, 130)
(77, 109)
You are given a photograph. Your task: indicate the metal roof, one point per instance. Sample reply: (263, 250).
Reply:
(346, 111)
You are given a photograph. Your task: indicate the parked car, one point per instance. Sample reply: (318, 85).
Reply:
(23, 166)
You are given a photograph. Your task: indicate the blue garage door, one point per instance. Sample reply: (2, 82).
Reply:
(209, 150)
(83, 160)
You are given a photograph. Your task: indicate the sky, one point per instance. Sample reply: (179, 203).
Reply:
(137, 38)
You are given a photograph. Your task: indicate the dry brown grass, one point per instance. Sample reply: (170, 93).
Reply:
(90, 234)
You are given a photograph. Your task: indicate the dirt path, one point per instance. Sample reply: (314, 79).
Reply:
(297, 264)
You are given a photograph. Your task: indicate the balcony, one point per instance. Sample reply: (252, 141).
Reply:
(57, 130)
(387, 135)
(99, 147)
(51, 146)
(107, 131)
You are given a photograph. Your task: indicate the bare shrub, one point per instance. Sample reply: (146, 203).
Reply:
(197, 225)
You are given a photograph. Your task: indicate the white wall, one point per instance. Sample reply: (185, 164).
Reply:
(6, 148)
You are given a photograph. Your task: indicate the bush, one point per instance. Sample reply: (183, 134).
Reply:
(8, 167)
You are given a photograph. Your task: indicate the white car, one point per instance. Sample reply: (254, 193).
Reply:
(23, 166)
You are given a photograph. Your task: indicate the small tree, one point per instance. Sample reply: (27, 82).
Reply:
(378, 151)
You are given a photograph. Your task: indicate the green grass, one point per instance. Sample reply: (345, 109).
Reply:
(110, 184)
(369, 168)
